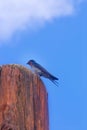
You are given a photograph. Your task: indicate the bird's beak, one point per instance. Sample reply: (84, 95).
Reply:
(27, 63)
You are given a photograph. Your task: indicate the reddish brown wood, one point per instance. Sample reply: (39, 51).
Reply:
(23, 100)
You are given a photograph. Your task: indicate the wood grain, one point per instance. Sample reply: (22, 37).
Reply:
(23, 100)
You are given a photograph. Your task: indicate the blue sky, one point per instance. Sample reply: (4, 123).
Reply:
(56, 37)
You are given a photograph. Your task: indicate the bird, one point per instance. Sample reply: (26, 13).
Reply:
(41, 71)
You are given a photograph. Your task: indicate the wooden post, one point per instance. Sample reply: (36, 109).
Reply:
(23, 100)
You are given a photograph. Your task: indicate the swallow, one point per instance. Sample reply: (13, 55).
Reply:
(41, 71)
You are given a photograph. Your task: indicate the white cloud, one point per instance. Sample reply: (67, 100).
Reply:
(18, 14)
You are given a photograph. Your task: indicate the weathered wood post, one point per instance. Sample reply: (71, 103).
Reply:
(23, 100)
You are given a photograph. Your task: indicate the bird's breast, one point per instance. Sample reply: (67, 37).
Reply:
(36, 70)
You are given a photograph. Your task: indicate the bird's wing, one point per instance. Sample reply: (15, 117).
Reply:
(45, 73)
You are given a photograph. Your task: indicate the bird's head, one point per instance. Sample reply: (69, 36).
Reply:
(30, 62)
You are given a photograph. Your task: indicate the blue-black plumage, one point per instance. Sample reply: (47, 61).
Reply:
(41, 71)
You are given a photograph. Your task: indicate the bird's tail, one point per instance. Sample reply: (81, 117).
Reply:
(53, 77)
(55, 82)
